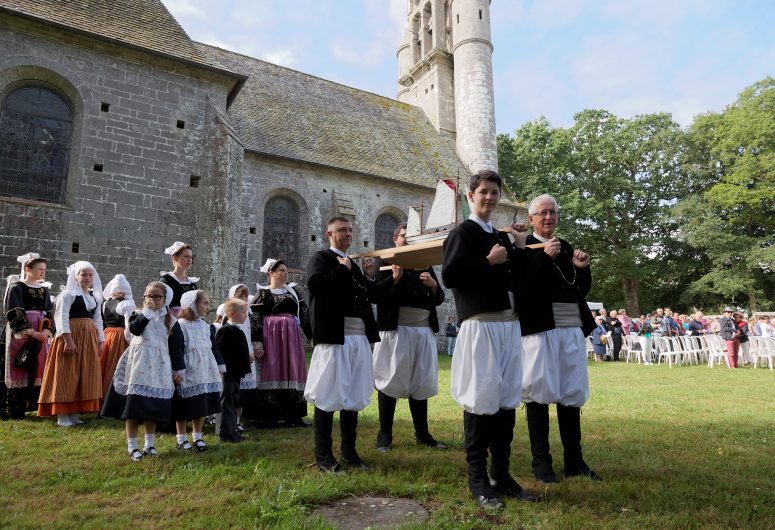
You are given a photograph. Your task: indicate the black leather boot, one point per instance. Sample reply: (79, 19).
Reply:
(478, 430)
(569, 419)
(387, 410)
(348, 425)
(500, 449)
(419, 410)
(324, 455)
(538, 429)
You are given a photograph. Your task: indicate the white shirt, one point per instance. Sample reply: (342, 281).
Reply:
(486, 226)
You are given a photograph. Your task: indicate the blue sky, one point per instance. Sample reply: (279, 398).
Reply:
(551, 58)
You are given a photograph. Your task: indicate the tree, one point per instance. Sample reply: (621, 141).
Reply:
(731, 217)
(614, 179)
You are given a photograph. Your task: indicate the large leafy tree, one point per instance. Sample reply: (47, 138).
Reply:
(615, 180)
(730, 217)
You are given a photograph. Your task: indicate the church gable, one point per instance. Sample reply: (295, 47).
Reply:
(289, 114)
(141, 24)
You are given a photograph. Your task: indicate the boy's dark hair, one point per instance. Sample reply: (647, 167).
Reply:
(485, 174)
(398, 229)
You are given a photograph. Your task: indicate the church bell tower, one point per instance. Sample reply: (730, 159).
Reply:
(445, 68)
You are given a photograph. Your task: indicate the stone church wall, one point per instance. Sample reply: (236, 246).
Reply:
(122, 216)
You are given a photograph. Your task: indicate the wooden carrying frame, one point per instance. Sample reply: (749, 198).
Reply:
(418, 256)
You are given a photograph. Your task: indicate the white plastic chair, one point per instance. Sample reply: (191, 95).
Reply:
(717, 350)
(631, 348)
(665, 350)
(691, 349)
(765, 350)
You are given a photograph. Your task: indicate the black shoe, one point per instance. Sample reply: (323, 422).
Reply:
(200, 446)
(489, 503)
(233, 439)
(510, 488)
(544, 473)
(583, 471)
(356, 463)
(332, 467)
(384, 448)
(430, 441)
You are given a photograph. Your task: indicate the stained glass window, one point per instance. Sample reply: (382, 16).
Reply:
(36, 127)
(281, 231)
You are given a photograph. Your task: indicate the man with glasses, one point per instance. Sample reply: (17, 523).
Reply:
(406, 360)
(555, 320)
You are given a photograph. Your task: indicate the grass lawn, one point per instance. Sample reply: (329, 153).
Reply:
(678, 448)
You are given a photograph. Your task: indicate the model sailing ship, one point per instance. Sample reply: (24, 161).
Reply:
(425, 246)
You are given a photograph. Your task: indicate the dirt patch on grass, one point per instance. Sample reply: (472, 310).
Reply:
(356, 513)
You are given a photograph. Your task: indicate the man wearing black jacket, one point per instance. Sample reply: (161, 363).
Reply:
(406, 360)
(340, 374)
(555, 319)
(482, 266)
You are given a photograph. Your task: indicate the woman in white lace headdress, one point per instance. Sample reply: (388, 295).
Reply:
(199, 392)
(116, 308)
(182, 256)
(71, 381)
(29, 314)
(279, 315)
(144, 381)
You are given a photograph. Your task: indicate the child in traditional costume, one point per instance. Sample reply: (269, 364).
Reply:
(198, 394)
(144, 380)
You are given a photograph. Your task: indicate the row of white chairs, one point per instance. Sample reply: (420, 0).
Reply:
(710, 349)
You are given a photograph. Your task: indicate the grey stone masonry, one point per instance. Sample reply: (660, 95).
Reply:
(122, 217)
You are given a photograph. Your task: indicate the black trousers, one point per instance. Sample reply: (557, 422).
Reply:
(226, 420)
(387, 411)
(324, 426)
(483, 434)
(617, 338)
(569, 421)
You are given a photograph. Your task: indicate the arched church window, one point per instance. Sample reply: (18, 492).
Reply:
(36, 126)
(383, 231)
(281, 231)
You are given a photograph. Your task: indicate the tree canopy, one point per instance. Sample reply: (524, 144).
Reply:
(671, 217)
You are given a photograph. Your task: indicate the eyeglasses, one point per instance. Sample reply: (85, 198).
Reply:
(154, 296)
(545, 213)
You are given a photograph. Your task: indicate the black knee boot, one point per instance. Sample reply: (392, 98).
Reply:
(500, 449)
(348, 425)
(478, 431)
(569, 419)
(538, 429)
(324, 455)
(387, 410)
(419, 410)
(500, 445)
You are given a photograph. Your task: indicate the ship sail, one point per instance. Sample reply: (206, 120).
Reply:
(442, 213)
(413, 224)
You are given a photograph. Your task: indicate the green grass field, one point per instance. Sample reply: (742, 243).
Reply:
(678, 448)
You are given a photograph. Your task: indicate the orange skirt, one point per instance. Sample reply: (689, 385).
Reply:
(114, 347)
(72, 381)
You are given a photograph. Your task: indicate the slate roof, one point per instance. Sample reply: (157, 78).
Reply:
(142, 24)
(290, 114)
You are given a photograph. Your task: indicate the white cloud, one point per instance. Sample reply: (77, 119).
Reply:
(186, 9)
(281, 56)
